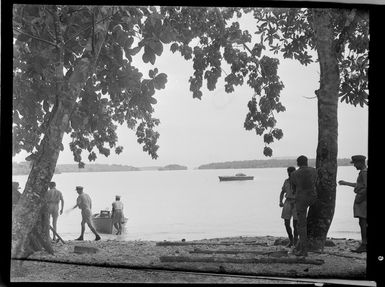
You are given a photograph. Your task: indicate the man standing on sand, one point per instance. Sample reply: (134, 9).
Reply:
(84, 203)
(288, 210)
(117, 214)
(360, 202)
(304, 187)
(53, 197)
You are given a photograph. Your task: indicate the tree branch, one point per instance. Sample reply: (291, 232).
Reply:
(34, 37)
(350, 19)
(88, 27)
(247, 48)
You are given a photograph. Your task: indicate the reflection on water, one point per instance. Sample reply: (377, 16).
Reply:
(193, 204)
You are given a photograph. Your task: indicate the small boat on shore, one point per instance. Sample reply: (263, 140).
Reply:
(103, 222)
(238, 176)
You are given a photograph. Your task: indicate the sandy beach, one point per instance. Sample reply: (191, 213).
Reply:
(217, 260)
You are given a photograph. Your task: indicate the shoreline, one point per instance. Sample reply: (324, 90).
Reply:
(153, 261)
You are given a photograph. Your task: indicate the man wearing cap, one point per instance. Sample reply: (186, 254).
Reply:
(360, 201)
(84, 203)
(53, 197)
(117, 214)
(303, 182)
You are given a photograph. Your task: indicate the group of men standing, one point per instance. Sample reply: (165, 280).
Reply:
(300, 192)
(51, 209)
(85, 204)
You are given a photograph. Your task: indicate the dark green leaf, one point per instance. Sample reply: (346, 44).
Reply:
(135, 50)
(268, 151)
(160, 81)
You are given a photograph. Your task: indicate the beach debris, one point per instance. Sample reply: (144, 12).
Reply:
(245, 242)
(281, 241)
(279, 253)
(285, 241)
(85, 249)
(232, 251)
(227, 243)
(263, 260)
(329, 243)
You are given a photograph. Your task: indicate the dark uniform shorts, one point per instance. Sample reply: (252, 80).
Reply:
(289, 210)
(359, 209)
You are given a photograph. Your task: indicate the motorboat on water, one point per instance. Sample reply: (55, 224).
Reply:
(238, 176)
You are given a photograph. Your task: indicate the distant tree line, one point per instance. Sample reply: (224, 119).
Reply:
(263, 163)
(173, 167)
(24, 168)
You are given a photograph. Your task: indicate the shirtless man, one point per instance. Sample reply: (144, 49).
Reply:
(53, 197)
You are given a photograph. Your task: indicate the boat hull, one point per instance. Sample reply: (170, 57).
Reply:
(104, 224)
(232, 178)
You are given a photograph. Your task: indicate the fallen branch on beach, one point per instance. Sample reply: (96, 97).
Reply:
(235, 251)
(244, 243)
(228, 243)
(268, 260)
(339, 255)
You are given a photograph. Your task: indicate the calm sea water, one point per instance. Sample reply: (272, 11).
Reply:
(193, 204)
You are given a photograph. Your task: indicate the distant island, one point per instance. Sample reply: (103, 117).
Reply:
(23, 168)
(173, 167)
(265, 163)
(95, 168)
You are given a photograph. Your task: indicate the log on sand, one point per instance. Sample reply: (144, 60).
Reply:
(266, 260)
(278, 253)
(85, 249)
(173, 243)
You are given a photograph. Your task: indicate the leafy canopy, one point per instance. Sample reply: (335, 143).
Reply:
(285, 31)
(116, 92)
(113, 92)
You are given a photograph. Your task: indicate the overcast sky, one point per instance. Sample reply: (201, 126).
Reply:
(195, 132)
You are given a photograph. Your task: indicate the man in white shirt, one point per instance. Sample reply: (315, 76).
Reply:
(117, 214)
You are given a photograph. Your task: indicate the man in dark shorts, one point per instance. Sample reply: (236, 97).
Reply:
(53, 197)
(304, 187)
(360, 201)
(288, 210)
(84, 203)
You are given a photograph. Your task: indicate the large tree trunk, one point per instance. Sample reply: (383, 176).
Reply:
(26, 217)
(28, 209)
(321, 213)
